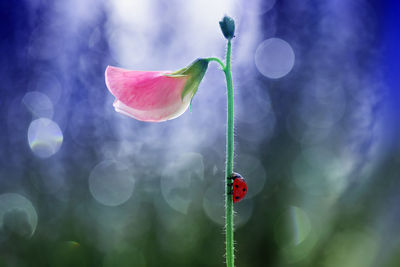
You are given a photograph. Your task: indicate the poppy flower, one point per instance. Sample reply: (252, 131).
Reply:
(154, 96)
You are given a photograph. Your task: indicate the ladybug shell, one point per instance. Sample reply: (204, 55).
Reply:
(239, 188)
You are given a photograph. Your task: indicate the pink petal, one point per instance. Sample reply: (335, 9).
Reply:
(146, 95)
(155, 115)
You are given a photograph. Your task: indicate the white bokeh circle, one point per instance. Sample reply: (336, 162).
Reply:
(274, 58)
(111, 183)
(44, 137)
(17, 214)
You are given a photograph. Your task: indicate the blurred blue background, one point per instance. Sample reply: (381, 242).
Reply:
(316, 94)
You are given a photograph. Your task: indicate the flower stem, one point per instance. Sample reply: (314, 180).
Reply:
(230, 257)
(218, 61)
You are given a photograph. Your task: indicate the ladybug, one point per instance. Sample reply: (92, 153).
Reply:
(239, 187)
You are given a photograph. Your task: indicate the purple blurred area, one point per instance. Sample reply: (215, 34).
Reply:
(316, 127)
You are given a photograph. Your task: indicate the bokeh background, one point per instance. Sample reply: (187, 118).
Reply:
(316, 92)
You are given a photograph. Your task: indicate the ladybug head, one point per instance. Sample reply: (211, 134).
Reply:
(235, 175)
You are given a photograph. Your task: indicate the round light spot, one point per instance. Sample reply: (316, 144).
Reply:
(38, 104)
(177, 180)
(274, 58)
(17, 215)
(295, 235)
(111, 183)
(44, 137)
(292, 228)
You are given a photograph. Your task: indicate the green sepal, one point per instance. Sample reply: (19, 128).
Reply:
(195, 73)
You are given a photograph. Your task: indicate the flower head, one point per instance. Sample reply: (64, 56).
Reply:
(154, 95)
(227, 25)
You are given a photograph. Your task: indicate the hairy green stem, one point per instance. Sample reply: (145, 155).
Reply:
(218, 61)
(230, 257)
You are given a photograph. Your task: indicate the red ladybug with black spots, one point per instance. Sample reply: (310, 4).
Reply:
(239, 187)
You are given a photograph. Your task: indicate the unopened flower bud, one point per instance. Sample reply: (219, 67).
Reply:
(227, 25)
